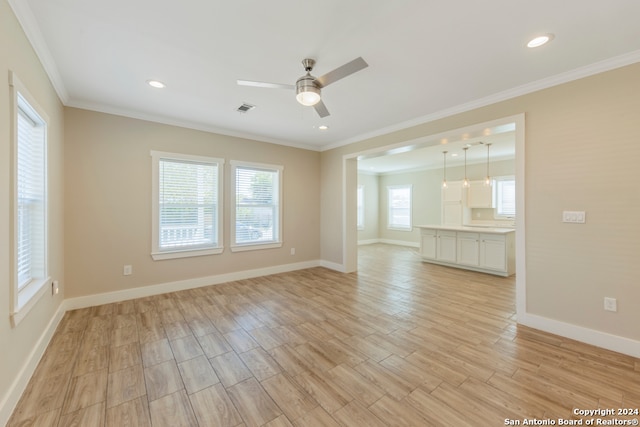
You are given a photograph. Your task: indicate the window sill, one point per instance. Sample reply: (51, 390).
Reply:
(400, 228)
(27, 299)
(255, 246)
(159, 256)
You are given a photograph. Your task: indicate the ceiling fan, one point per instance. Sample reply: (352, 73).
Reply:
(308, 87)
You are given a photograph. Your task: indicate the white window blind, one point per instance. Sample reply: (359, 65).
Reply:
(31, 187)
(188, 204)
(506, 197)
(399, 204)
(360, 207)
(257, 204)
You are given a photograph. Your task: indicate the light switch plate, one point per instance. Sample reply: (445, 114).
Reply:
(575, 217)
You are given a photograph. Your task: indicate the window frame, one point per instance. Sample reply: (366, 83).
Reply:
(23, 299)
(498, 199)
(158, 253)
(399, 227)
(253, 245)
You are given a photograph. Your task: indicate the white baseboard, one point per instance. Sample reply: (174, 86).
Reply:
(389, 242)
(12, 396)
(590, 336)
(368, 242)
(400, 243)
(333, 266)
(180, 285)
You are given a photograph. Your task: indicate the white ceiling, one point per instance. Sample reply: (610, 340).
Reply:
(427, 59)
(424, 155)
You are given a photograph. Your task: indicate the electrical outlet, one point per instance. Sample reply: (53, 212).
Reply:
(610, 304)
(127, 270)
(293, 251)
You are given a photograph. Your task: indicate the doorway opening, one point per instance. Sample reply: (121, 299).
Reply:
(437, 143)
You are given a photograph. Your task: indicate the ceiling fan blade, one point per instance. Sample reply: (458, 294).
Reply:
(321, 109)
(342, 72)
(263, 84)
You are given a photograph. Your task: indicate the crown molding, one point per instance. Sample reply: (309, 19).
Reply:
(558, 79)
(184, 124)
(29, 25)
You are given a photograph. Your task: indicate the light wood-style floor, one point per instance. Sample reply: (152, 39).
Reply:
(400, 343)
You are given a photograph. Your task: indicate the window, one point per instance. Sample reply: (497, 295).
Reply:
(399, 215)
(505, 189)
(360, 207)
(257, 201)
(187, 207)
(30, 272)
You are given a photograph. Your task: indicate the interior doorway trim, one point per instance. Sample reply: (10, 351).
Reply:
(350, 180)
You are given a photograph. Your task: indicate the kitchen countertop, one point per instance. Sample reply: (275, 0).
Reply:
(471, 229)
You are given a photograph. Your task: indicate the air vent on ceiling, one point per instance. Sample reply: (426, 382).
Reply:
(245, 107)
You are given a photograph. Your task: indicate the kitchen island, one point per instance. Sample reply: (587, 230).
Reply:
(485, 249)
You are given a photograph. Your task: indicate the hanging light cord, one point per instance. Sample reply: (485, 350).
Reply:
(488, 178)
(466, 181)
(444, 171)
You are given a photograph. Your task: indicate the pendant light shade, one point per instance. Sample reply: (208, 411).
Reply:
(487, 178)
(444, 170)
(465, 183)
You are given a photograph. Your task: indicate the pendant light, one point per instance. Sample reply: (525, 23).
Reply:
(444, 170)
(487, 179)
(465, 183)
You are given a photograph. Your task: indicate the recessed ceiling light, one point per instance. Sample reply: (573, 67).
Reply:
(454, 155)
(540, 40)
(323, 127)
(156, 83)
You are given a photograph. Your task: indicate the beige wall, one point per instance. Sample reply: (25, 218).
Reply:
(19, 342)
(581, 153)
(108, 204)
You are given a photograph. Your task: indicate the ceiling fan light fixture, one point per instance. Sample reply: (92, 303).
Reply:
(307, 92)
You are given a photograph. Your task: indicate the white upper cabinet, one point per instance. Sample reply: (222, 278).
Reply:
(480, 195)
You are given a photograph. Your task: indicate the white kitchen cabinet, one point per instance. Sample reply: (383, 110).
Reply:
(447, 245)
(428, 243)
(438, 245)
(493, 252)
(480, 195)
(452, 213)
(468, 249)
(452, 203)
(453, 192)
(489, 250)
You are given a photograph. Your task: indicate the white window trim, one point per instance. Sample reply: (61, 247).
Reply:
(236, 247)
(23, 301)
(158, 254)
(394, 226)
(361, 225)
(495, 189)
